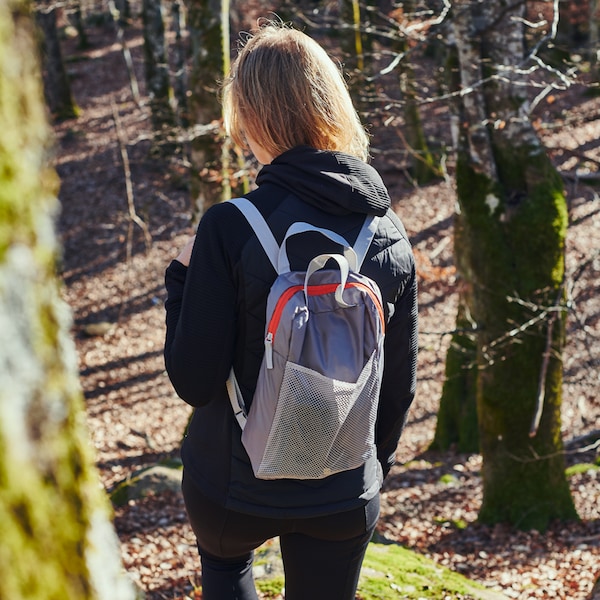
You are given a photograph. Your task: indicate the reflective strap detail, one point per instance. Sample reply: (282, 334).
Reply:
(364, 239)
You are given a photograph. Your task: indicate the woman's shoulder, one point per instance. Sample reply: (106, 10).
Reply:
(392, 238)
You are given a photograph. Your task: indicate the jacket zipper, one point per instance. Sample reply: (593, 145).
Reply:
(313, 290)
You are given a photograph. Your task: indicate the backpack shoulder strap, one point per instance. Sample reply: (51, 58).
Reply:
(271, 247)
(236, 399)
(364, 239)
(261, 229)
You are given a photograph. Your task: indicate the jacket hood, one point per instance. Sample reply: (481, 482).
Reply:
(335, 182)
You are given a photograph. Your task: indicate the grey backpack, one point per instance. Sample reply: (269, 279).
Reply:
(314, 408)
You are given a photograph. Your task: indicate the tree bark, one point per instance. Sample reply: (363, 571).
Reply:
(57, 539)
(157, 69)
(356, 46)
(180, 86)
(57, 88)
(513, 210)
(594, 41)
(208, 23)
(84, 42)
(457, 426)
(423, 166)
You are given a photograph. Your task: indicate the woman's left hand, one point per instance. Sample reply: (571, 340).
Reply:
(184, 256)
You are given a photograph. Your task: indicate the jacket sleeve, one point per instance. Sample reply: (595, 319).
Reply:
(399, 375)
(200, 314)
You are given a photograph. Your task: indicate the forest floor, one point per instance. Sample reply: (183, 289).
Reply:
(114, 283)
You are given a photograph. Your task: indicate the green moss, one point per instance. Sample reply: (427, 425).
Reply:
(44, 525)
(391, 572)
(456, 425)
(523, 476)
(270, 588)
(459, 524)
(512, 261)
(49, 490)
(148, 481)
(582, 468)
(448, 479)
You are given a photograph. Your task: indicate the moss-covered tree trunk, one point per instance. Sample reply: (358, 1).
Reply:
(56, 540)
(156, 65)
(208, 24)
(514, 215)
(457, 426)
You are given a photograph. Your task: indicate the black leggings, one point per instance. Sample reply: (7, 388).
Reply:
(322, 556)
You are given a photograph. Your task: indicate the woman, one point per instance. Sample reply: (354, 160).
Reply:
(287, 102)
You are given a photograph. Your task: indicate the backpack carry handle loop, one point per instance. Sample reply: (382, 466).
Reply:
(318, 263)
(283, 262)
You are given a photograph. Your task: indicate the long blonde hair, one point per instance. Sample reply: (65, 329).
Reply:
(283, 91)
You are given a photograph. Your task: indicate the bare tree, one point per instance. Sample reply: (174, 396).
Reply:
(423, 166)
(77, 18)
(57, 539)
(156, 64)
(180, 86)
(57, 88)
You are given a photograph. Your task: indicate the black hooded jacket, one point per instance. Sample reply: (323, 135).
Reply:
(216, 319)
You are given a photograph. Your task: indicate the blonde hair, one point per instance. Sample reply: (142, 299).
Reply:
(283, 91)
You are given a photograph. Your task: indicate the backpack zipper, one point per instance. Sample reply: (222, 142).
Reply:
(313, 290)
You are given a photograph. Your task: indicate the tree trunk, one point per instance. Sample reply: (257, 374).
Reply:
(157, 69)
(56, 81)
(594, 41)
(356, 46)
(84, 43)
(57, 540)
(572, 34)
(180, 86)
(124, 9)
(423, 166)
(457, 425)
(208, 23)
(514, 218)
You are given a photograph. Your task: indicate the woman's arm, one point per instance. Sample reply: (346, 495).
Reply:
(399, 375)
(200, 312)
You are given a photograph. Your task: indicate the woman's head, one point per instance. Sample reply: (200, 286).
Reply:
(285, 91)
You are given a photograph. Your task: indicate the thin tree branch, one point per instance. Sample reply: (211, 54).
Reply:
(133, 216)
(135, 90)
(541, 393)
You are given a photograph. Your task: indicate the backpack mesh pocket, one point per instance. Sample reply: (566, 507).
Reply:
(321, 425)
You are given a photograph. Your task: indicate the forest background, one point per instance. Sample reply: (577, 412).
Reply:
(125, 212)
